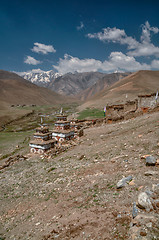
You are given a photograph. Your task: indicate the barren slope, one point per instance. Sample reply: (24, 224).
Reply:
(16, 90)
(75, 197)
(100, 85)
(71, 84)
(132, 85)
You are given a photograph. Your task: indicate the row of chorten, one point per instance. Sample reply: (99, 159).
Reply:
(45, 139)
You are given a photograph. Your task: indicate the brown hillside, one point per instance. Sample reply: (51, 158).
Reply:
(141, 82)
(15, 90)
(101, 84)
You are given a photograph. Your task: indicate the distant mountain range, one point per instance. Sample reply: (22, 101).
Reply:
(93, 88)
(73, 84)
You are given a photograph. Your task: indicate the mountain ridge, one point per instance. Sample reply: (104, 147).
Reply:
(128, 88)
(73, 84)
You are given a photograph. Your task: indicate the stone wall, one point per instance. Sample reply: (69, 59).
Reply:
(121, 110)
(147, 102)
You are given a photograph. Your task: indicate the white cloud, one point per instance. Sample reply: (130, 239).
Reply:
(72, 64)
(42, 48)
(146, 48)
(120, 61)
(110, 34)
(115, 35)
(31, 60)
(36, 70)
(80, 26)
(142, 48)
(155, 64)
(146, 29)
(117, 62)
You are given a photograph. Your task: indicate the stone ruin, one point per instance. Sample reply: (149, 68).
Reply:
(142, 104)
(146, 102)
(118, 111)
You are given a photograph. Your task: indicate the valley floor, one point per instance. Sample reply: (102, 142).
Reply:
(74, 195)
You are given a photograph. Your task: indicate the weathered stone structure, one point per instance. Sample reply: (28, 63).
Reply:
(120, 110)
(143, 104)
(62, 131)
(146, 102)
(42, 140)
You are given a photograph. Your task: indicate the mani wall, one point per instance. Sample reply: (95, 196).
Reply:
(143, 103)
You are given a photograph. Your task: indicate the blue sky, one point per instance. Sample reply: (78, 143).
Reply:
(69, 36)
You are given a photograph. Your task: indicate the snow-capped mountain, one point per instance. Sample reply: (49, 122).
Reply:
(72, 84)
(40, 77)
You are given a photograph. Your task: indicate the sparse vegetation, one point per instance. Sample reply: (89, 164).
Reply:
(91, 113)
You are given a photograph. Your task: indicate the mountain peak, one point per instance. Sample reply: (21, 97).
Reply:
(40, 77)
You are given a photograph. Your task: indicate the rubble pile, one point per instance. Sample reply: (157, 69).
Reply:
(12, 160)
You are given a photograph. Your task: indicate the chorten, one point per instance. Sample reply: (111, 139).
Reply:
(62, 130)
(42, 140)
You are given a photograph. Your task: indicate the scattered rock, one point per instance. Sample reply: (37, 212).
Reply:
(140, 135)
(126, 160)
(150, 161)
(155, 189)
(143, 219)
(149, 225)
(113, 160)
(12, 160)
(156, 203)
(150, 173)
(81, 157)
(139, 188)
(143, 233)
(132, 183)
(123, 181)
(144, 156)
(157, 162)
(149, 192)
(135, 210)
(144, 201)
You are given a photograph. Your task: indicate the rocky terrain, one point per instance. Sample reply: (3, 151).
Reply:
(105, 187)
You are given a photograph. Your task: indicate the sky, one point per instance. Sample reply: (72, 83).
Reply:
(79, 35)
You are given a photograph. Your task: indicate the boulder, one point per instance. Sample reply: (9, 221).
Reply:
(151, 173)
(134, 211)
(143, 219)
(144, 201)
(123, 181)
(155, 189)
(150, 161)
